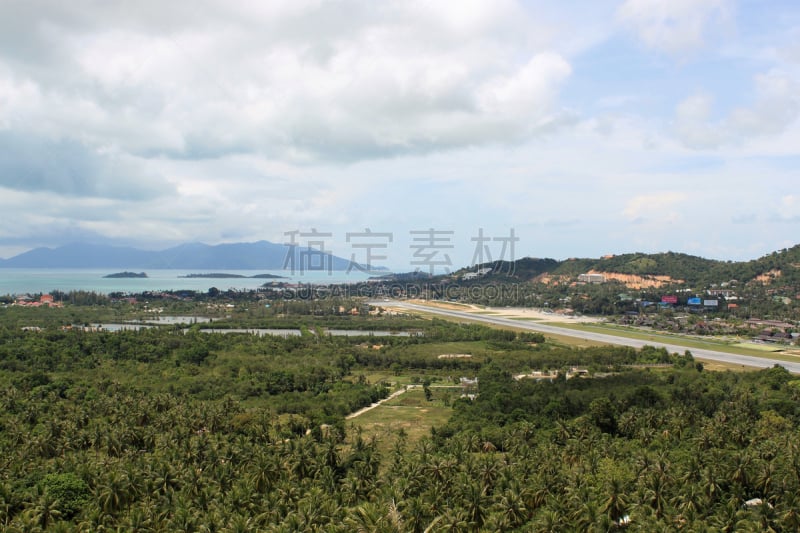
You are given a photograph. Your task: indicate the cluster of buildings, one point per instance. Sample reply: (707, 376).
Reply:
(45, 300)
(773, 331)
(477, 274)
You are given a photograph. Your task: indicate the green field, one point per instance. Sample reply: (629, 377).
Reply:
(410, 413)
(720, 346)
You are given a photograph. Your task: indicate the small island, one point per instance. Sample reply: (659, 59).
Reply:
(127, 275)
(225, 275)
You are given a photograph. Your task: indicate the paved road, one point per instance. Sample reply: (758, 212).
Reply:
(699, 353)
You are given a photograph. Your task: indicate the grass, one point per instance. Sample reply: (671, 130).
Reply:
(435, 349)
(682, 340)
(387, 377)
(566, 340)
(437, 377)
(718, 366)
(563, 340)
(409, 412)
(759, 347)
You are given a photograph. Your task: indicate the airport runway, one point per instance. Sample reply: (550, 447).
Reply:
(698, 353)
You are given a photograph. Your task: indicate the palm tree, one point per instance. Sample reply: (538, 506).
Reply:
(764, 478)
(487, 471)
(184, 518)
(138, 520)
(654, 493)
(453, 521)
(740, 474)
(371, 518)
(439, 469)
(616, 502)
(240, 524)
(43, 511)
(475, 500)
(789, 509)
(512, 505)
(711, 487)
(586, 517)
(112, 492)
(688, 502)
(727, 517)
(415, 511)
(550, 521)
(265, 472)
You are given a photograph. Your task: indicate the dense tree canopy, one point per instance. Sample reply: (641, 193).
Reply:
(169, 430)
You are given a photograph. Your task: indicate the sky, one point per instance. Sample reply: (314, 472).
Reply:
(450, 129)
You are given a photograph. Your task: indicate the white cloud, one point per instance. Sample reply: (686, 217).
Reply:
(776, 106)
(789, 208)
(241, 120)
(673, 26)
(300, 82)
(693, 123)
(654, 206)
(527, 92)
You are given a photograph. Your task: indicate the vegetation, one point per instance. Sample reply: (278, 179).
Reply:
(692, 270)
(764, 288)
(180, 429)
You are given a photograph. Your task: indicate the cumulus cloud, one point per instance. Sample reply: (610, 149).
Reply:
(675, 27)
(167, 122)
(298, 81)
(776, 105)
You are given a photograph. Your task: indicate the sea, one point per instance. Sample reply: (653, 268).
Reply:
(18, 281)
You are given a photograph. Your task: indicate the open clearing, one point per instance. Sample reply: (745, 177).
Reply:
(409, 412)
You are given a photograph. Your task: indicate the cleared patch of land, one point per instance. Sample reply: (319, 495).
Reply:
(377, 404)
(772, 348)
(718, 366)
(410, 413)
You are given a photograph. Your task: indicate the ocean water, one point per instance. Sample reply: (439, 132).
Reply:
(42, 280)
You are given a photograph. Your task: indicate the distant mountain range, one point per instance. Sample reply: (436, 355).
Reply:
(261, 255)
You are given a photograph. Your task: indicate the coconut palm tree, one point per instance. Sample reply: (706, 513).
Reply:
(475, 501)
(42, 511)
(512, 504)
(616, 502)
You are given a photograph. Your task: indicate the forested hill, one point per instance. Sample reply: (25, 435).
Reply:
(781, 267)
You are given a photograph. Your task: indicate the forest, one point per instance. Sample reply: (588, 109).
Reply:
(180, 429)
